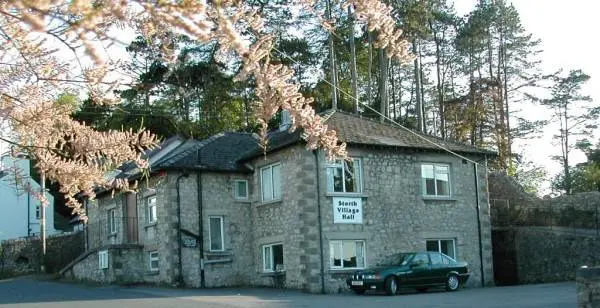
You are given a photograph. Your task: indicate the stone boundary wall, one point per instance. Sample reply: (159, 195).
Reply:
(588, 287)
(23, 256)
(541, 255)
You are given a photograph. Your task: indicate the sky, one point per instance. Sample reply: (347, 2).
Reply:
(568, 40)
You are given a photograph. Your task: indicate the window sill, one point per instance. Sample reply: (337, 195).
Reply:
(344, 270)
(152, 273)
(223, 253)
(112, 234)
(272, 274)
(276, 202)
(242, 200)
(340, 194)
(151, 224)
(434, 198)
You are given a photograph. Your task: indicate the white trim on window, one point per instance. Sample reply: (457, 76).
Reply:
(103, 259)
(151, 209)
(446, 246)
(345, 176)
(153, 261)
(270, 257)
(338, 258)
(219, 244)
(433, 177)
(270, 182)
(112, 221)
(240, 195)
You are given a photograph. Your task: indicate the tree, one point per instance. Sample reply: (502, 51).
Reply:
(574, 115)
(34, 73)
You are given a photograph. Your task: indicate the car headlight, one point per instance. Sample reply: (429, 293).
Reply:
(373, 276)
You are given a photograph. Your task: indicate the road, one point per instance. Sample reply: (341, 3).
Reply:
(29, 292)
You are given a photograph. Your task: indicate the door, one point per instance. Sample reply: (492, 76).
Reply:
(420, 273)
(131, 219)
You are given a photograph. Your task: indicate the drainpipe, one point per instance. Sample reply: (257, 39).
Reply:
(322, 272)
(200, 221)
(478, 209)
(28, 214)
(184, 175)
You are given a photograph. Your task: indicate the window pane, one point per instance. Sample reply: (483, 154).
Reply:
(266, 181)
(421, 258)
(349, 250)
(215, 234)
(336, 254)
(448, 248)
(242, 189)
(427, 171)
(432, 246)
(442, 183)
(436, 258)
(441, 169)
(278, 257)
(338, 184)
(268, 265)
(350, 177)
(360, 254)
(276, 182)
(430, 187)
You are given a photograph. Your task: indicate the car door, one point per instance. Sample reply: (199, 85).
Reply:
(438, 268)
(420, 270)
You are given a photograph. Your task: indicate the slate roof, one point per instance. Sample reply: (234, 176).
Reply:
(359, 130)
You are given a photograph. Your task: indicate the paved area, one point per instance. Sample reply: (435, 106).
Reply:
(28, 292)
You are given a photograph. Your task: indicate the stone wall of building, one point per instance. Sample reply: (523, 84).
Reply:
(22, 256)
(588, 287)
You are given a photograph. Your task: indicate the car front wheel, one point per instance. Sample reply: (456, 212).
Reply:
(452, 283)
(391, 285)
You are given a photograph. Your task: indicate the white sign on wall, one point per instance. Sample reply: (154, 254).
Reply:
(347, 211)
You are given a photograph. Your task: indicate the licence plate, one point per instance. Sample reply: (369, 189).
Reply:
(357, 283)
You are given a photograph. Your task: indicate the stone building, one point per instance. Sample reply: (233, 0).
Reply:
(223, 212)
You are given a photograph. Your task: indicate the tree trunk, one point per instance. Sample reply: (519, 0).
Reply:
(383, 80)
(353, 61)
(419, 98)
(332, 63)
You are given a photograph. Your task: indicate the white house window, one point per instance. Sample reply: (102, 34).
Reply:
(151, 204)
(436, 180)
(38, 212)
(445, 246)
(112, 221)
(273, 258)
(103, 259)
(347, 254)
(270, 179)
(153, 261)
(345, 176)
(241, 189)
(216, 233)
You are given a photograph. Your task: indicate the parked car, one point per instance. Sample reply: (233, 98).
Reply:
(418, 270)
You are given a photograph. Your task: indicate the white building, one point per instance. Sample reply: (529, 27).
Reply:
(20, 213)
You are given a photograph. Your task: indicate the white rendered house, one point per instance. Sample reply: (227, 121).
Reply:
(20, 212)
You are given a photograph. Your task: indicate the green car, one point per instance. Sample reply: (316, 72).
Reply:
(418, 270)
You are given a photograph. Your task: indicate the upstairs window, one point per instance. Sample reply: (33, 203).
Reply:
(112, 221)
(241, 189)
(270, 179)
(436, 180)
(345, 176)
(151, 204)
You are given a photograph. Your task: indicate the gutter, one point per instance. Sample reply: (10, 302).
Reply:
(200, 220)
(28, 214)
(322, 268)
(184, 174)
(478, 209)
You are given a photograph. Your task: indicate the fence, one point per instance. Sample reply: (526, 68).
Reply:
(580, 217)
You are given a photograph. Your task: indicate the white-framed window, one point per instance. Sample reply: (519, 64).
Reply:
(151, 206)
(270, 179)
(240, 189)
(273, 257)
(347, 254)
(103, 259)
(112, 221)
(344, 176)
(436, 179)
(445, 246)
(215, 231)
(153, 259)
(38, 212)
